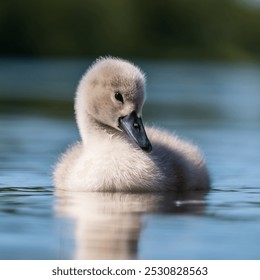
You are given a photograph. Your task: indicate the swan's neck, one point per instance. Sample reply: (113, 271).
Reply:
(92, 130)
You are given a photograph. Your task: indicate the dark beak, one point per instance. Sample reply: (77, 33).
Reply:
(134, 128)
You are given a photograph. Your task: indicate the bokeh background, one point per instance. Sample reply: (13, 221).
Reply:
(201, 59)
(170, 29)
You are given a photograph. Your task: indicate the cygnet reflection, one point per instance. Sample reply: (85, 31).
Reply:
(109, 225)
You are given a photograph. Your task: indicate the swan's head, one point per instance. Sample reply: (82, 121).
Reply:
(112, 93)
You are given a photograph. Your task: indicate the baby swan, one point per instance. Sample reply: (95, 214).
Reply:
(116, 152)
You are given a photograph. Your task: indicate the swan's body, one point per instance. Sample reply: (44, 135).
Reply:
(115, 153)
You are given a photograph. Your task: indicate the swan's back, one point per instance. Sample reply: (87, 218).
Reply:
(180, 161)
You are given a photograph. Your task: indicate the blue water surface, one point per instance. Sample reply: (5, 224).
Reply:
(216, 106)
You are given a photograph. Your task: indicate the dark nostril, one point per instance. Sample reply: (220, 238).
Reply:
(136, 126)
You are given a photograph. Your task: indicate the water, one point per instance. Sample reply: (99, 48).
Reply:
(214, 105)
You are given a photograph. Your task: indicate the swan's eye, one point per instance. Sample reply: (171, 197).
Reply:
(119, 97)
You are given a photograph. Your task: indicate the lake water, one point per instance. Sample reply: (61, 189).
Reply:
(217, 106)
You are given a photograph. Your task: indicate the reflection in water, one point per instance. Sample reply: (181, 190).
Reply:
(108, 225)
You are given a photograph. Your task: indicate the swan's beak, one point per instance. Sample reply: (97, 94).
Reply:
(134, 128)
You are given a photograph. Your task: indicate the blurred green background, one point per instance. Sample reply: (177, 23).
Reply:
(177, 29)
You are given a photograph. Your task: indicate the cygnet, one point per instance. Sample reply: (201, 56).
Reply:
(117, 152)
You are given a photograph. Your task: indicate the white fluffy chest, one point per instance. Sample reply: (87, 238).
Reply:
(107, 166)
